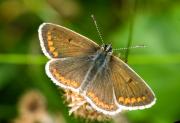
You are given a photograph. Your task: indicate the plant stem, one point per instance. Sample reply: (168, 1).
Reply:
(131, 26)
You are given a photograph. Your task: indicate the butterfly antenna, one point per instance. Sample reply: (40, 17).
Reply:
(132, 47)
(97, 28)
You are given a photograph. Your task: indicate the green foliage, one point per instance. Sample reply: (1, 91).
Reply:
(156, 25)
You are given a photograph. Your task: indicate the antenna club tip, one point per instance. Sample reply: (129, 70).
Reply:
(92, 15)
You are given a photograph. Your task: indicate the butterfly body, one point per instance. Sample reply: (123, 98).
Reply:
(99, 61)
(107, 83)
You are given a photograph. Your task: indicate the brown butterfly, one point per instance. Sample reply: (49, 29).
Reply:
(77, 63)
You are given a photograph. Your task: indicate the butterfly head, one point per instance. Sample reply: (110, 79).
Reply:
(107, 48)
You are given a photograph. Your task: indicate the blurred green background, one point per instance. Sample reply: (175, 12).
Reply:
(156, 25)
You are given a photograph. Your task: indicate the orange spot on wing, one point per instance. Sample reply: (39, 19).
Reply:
(55, 54)
(121, 99)
(48, 33)
(139, 99)
(51, 49)
(62, 79)
(75, 84)
(49, 37)
(100, 103)
(112, 106)
(90, 94)
(50, 43)
(55, 73)
(127, 100)
(106, 106)
(68, 82)
(133, 100)
(143, 98)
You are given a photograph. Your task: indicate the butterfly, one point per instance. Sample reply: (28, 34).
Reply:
(77, 63)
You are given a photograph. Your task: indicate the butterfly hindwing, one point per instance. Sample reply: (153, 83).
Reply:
(68, 72)
(100, 92)
(60, 42)
(130, 90)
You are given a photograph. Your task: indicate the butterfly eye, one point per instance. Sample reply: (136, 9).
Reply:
(105, 46)
(109, 53)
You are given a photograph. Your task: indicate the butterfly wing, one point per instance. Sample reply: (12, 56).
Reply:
(131, 92)
(117, 87)
(99, 93)
(59, 42)
(68, 72)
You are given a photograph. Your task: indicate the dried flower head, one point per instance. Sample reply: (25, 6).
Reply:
(32, 109)
(79, 107)
(32, 102)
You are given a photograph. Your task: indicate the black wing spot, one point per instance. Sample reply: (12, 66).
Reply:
(70, 39)
(129, 80)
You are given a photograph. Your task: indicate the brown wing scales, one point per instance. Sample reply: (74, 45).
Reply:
(100, 91)
(61, 42)
(69, 71)
(130, 89)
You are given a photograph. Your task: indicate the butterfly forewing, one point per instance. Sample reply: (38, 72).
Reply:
(130, 90)
(60, 42)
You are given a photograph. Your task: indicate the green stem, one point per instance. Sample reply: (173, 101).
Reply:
(131, 25)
